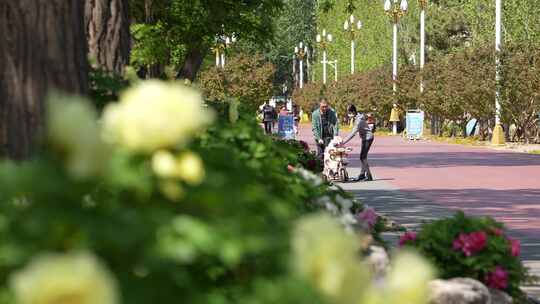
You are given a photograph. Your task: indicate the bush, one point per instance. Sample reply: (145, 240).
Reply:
(456, 89)
(463, 246)
(246, 77)
(204, 215)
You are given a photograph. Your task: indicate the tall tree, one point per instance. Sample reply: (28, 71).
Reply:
(43, 47)
(187, 29)
(107, 30)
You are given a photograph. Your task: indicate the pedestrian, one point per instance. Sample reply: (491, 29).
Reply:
(296, 115)
(364, 125)
(283, 111)
(269, 114)
(324, 125)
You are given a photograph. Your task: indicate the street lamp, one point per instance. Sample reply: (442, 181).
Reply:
(333, 63)
(222, 43)
(395, 11)
(423, 6)
(301, 52)
(323, 41)
(498, 133)
(351, 27)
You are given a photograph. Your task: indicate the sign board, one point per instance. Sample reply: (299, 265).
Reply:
(471, 127)
(415, 124)
(286, 127)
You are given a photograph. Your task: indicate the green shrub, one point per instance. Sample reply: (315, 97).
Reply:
(206, 219)
(478, 248)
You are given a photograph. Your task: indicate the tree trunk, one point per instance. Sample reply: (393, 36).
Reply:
(107, 30)
(43, 48)
(192, 64)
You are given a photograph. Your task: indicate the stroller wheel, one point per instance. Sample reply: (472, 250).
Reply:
(343, 175)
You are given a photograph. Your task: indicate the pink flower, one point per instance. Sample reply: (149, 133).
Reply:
(497, 279)
(515, 247)
(368, 216)
(470, 243)
(406, 238)
(496, 231)
(290, 168)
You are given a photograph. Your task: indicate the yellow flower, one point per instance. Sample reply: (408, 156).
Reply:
(328, 257)
(190, 168)
(406, 286)
(73, 130)
(155, 115)
(165, 165)
(76, 278)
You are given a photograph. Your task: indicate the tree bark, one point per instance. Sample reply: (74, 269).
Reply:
(192, 64)
(43, 48)
(107, 30)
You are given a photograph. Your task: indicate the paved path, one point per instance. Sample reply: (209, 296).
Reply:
(421, 180)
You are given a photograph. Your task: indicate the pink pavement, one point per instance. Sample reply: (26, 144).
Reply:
(480, 181)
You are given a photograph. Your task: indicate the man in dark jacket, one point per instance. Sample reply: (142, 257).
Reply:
(366, 129)
(269, 114)
(324, 125)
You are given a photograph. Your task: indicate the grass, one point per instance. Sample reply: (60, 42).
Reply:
(468, 141)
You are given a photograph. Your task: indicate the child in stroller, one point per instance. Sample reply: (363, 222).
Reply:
(335, 161)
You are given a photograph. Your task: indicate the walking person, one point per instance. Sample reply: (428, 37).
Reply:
(296, 115)
(269, 114)
(324, 125)
(364, 125)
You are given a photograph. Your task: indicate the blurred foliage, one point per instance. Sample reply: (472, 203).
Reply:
(246, 77)
(105, 87)
(225, 240)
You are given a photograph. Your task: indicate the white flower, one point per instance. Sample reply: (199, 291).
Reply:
(190, 168)
(164, 164)
(310, 177)
(333, 209)
(328, 257)
(348, 219)
(406, 286)
(76, 278)
(344, 203)
(154, 115)
(73, 130)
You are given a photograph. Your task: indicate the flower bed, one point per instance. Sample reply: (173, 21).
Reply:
(476, 248)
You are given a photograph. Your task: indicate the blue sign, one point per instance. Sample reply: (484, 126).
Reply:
(286, 126)
(471, 127)
(415, 124)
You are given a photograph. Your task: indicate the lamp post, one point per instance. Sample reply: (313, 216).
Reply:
(395, 11)
(323, 41)
(222, 43)
(423, 6)
(333, 63)
(351, 27)
(498, 133)
(301, 52)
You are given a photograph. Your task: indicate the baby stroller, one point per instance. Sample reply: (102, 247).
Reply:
(335, 161)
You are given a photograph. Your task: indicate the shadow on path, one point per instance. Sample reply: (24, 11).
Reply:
(411, 211)
(452, 159)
